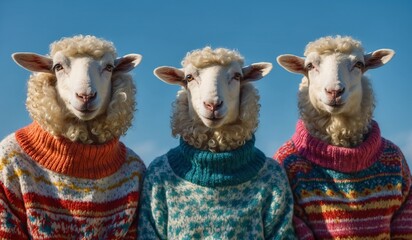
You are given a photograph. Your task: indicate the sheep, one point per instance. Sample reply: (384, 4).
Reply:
(216, 183)
(347, 180)
(67, 173)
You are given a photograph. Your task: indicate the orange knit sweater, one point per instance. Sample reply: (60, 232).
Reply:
(51, 188)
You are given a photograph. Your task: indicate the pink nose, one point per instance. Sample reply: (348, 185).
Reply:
(335, 93)
(86, 97)
(213, 106)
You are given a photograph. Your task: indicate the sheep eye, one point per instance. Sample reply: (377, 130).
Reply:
(359, 65)
(57, 67)
(309, 66)
(237, 76)
(189, 77)
(109, 68)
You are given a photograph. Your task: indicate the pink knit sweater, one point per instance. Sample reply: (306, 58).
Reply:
(348, 193)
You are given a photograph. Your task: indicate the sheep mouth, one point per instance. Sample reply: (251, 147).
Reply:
(334, 107)
(212, 117)
(335, 104)
(212, 121)
(85, 109)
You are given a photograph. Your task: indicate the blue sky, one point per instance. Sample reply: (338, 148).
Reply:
(163, 31)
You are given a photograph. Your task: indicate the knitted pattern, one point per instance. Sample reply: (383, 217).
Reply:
(54, 189)
(348, 193)
(196, 194)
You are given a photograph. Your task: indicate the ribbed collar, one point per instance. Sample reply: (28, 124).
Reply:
(339, 158)
(71, 158)
(214, 169)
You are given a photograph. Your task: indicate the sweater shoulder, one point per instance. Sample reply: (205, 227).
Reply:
(133, 159)
(159, 163)
(273, 167)
(287, 150)
(273, 173)
(158, 170)
(391, 154)
(13, 163)
(8, 145)
(390, 148)
(10, 154)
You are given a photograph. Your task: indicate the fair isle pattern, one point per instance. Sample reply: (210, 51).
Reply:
(373, 203)
(38, 203)
(175, 208)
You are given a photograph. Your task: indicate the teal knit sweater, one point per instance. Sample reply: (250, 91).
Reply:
(194, 194)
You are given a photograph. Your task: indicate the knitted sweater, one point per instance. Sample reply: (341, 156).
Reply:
(55, 189)
(348, 193)
(194, 194)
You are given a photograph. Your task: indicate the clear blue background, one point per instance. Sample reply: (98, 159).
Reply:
(163, 31)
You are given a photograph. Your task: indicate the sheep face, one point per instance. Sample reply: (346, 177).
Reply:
(84, 83)
(335, 79)
(213, 91)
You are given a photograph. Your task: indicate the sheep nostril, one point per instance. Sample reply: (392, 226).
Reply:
(213, 106)
(86, 97)
(340, 91)
(335, 93)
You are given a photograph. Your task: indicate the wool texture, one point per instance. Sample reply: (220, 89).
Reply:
(348, 193)
(52, 188)
(197, 194)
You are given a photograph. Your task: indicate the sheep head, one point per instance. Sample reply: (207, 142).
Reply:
(334, 83)
(213, 91)
(82, 71)
(212, 80)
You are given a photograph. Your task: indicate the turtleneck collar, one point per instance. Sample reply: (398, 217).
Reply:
(71, 158)
(215, 169)
(339, 158)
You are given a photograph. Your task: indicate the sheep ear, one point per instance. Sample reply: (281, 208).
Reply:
(378, 58)
(292, 63)
(170, 75)
(33, 62)
(256, 71)
(127, 63)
